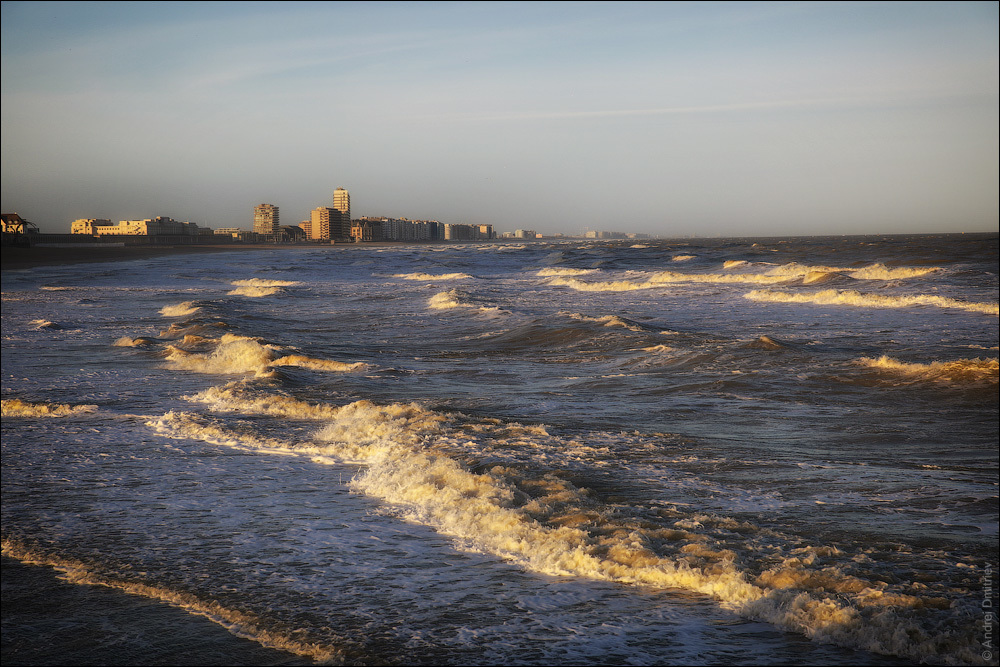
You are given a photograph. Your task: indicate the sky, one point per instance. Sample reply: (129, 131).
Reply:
(670, 119)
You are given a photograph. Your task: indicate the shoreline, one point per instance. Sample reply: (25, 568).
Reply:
(50, 621)
(15, 258)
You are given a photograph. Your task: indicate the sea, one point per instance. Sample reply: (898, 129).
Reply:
(743, 451)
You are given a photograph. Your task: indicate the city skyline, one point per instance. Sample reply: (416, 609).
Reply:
(672, 119)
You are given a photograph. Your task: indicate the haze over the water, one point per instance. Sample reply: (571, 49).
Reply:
(663, 118)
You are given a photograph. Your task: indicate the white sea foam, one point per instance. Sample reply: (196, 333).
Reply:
(126, 341)
(859, 299)
(564, 271)
(683, 258)
(319, 364)
(870, 272)
(180, 310)
(960, 372)
(15, 407)
(430, 276)
(264, 282)
(445, 300)
(882, 272)
(43, 324)
(602, 286)
(455, 298)
(236, 397)
(234, 354)
(550, 531)
(664, 278)
(259, 287)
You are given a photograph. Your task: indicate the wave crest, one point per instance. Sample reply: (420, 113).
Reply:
(258, 287)
(961, 371)
(546, 524)
(232, 354)
(15, 407)
(430, 276)
(180, 310)
(856, 298)
(545, 273)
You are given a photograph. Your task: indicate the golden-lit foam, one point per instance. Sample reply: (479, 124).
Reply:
(180, 310)
(430, 276)
(233, 354)
(319, 364)
(239, 354)
(558, 271)
(862, 300)
(961, 371)
(15, 407)
(547, 525)
(258, 287)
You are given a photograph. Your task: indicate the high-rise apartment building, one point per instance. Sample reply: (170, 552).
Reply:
(266, 220)
(342, 202)
(324, 224)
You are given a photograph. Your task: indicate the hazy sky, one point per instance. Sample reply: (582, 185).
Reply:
(667, 118)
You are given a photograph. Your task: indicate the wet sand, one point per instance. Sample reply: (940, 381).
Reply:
(47, 621)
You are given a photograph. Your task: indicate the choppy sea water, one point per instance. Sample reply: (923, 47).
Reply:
(729, 451)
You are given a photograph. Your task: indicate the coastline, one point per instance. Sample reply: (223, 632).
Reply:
(14, 257)
(25, 257)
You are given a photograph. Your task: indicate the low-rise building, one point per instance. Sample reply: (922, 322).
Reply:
(159, 226)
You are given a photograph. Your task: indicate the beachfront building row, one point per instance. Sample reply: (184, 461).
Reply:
(596, 234)
(327, 223)
(159, 226)
(380, 228)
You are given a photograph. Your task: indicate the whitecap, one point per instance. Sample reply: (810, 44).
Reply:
(180, 310)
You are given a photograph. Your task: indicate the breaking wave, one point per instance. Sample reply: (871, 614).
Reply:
(786, 273)
(15, 407)
(613, 321)
(856, 298)
(180, 310)
(564, 272)
(319, 364)
(44, 324)
(258, 287)
(235, 354)
(962, 371)
(429, 276)
(455, 298)
(545, 524)
(126, 341)
(232, 354)
(870, 272)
